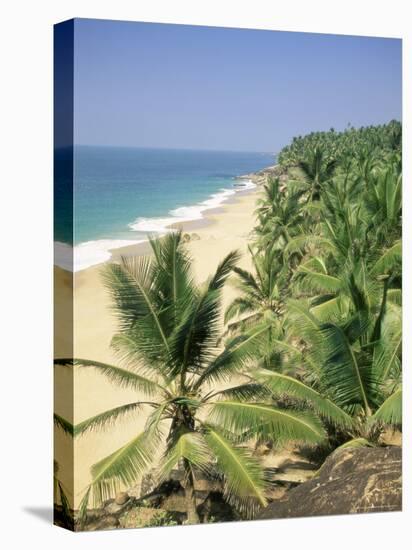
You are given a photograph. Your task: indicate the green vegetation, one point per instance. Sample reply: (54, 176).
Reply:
(312, 347)
(147, 517)
(335, 280)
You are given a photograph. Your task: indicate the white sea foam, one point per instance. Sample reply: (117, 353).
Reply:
(91, 253)
(187, 213)
(87, 254)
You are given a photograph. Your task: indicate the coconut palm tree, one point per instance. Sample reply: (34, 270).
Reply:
(353, 364)
(279, 214)
(317, 169)
(260, 293)
(167, 345)
(260, 301)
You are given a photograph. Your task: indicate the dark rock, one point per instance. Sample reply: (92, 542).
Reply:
(202, 482)
(216, 509)
(350, 481)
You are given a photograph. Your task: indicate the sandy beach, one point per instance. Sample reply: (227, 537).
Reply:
(221, 231)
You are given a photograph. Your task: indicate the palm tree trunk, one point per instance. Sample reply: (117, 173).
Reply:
(190, 498)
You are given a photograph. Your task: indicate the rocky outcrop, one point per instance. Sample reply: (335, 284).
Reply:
(168, 496)
(350, 481)
(261, 177)
(108, 516)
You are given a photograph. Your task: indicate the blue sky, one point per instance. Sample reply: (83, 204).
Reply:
(178, 86)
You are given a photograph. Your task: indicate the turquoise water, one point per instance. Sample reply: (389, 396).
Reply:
(124, 194)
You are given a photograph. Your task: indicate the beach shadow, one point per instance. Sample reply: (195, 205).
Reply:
(44, 513)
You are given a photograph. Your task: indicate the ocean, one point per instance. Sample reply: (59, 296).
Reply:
(121, 195)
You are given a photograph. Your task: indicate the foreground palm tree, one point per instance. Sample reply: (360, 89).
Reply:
(169, 332)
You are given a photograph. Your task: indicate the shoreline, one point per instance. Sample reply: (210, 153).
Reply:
(210, 218)
(97, 252)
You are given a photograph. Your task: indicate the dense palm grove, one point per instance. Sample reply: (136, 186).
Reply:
(311, 348)
(327, 278)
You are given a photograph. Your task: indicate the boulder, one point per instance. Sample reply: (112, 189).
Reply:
(391, 437)
(121, 498)
(350, 481)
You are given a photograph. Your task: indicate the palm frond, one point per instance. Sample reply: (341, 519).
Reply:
(390, 259)
(106, 419)
(124, 466)
(386, 360)
(63, 424)
(390, 412)
(302, 322)
(301, 242)
(280, 384)
(248, 280)
(130, 285)
(154, 426)
(266, 421)
(329, 309)
(244, 482)
(345, 375)
(239, 306)
(319, 282)
(133, 350)
(223, 270)
(235, 357)
(194, 340)
(84, 504)
(171, 273)
(189, 445)
(244, 392)
(121, 377)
